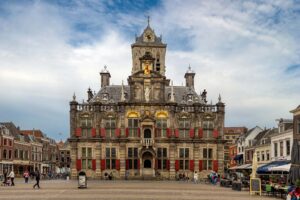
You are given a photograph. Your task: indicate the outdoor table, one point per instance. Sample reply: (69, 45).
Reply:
(283, 191)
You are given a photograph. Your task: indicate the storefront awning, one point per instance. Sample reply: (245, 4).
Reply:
(265, 169)
(282, 168)
(245, 166)
(238, 157)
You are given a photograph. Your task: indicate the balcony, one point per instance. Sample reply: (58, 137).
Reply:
(147, 142)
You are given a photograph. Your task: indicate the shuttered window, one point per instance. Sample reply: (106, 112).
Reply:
(184, 155)
(132, 158)
(86, 158)
(110, 126)
(161, 128)
(110, 158)
(162, 158)
(184, 128)
(207, 158)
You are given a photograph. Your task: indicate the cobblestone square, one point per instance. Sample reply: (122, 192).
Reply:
(59, 189)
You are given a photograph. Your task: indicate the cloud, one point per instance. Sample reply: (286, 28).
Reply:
(246, 50)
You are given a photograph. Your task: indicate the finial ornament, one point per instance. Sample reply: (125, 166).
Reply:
(219, 98)
(122, 92)
(74, 97)
(148, 19)
(172, 99)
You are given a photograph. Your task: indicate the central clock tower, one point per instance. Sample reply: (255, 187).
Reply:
(147, 81)
(148, 43)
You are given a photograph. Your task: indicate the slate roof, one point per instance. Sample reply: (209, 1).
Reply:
(157, 40)
(114, 94)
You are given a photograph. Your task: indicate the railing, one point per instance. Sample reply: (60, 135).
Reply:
(147, 142)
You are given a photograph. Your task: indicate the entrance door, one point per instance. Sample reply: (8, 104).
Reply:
(147, 133)
(147, 163)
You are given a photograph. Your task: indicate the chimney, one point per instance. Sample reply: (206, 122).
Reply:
(189, 78)
(105, 77)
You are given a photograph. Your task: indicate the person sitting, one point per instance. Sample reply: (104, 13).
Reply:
(110, 176)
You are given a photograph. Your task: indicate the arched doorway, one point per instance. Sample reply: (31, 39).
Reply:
(147, 133)
(147, 163)
(147, 160)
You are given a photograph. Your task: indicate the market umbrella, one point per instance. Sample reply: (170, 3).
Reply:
(254, 165)
(295, 167)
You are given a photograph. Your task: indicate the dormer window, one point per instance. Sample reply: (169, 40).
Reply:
(105, 97)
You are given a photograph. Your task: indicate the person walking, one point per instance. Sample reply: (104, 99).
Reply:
(195, 177)
(12, 177)
(37, 178)
(26, 176)
(5, 177)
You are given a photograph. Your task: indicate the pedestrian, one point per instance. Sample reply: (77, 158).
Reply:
(5, 177)
(12, 177)
(195, 177)
(26, 176)
(37, 178)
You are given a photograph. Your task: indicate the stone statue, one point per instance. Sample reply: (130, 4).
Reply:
(147, 93)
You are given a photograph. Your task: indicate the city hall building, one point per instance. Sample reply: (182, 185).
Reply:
(146, 128)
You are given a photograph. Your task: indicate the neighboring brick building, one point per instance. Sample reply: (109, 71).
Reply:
(64, 157)
(231, 134)
(149, 127)
(6, 149)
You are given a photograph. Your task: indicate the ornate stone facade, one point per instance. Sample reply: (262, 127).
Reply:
(148, 128)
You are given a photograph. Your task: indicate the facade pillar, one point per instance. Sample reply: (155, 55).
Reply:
(196, 157)
(122, 160)
(98, 160)
(74, 156)
(172, 151)
(220, 158)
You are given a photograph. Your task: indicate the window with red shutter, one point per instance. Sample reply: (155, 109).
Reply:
(200, 165)
(192, 165)
(200, 133)
(127, 132)
(94, 164)
(117, 132)
(176, 165)
(78, 132)
(176, 133)
(127, 164)
(102, 132)
(103, 164)
(139, 132)
(78, 164)
(215, 133)
(93, 132)
(215, 165)
(138, 164)
(192, 133)
(169, 133)
(117, 164)
(168, 164)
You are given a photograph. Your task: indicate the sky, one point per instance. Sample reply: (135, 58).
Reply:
(247, 51)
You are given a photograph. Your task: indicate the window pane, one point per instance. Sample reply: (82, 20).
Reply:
(113, 163)
(130, 164)
(107, 152)
(83, 152)
(159, 152)
(83, 163)
(135, 123)
(113, 152)
(107, 163)
(90, 152)
(164, 164)
(186, 153)
(165, 152)
(135, 163)
(135, 152)
(210, 153)
(159, 164)
(204, 153)
(89, 164)
(209, 164)
(129, 152)
(186, 164)
(181, 164)
(181, 153)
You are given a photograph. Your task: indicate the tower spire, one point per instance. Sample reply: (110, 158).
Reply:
(122, 92)
(148, 20)
(172, 99)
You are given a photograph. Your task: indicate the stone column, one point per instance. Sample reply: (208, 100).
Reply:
(98, 160)
(122, 160)
(220, 157)
(74, 156)
(196, 157)
(172, 151)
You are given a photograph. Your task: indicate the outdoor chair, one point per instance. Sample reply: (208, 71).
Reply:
(269, 190)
